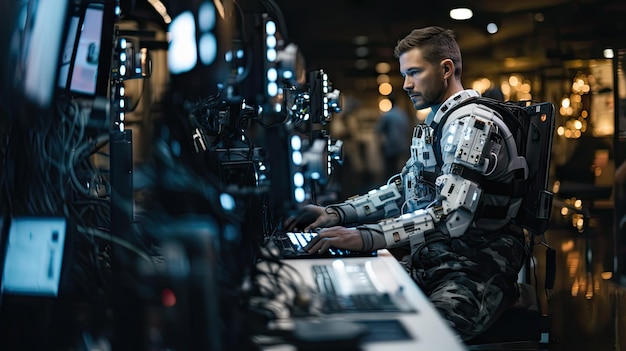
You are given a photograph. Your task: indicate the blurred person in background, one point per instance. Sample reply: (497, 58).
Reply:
(394, 132)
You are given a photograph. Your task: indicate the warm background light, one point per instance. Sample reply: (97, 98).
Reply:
(385, 89)
(384, 105)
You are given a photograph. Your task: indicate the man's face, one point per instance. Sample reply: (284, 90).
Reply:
(423, 81)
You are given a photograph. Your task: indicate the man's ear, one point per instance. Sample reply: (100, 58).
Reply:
(448, 67)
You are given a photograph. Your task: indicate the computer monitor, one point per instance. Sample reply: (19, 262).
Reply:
(84, 68)
(30, 38)
(34, 253)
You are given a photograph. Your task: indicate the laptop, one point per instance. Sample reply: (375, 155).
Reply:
(292, 245)
(34, 256)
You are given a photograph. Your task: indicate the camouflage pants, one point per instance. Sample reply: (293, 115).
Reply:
(470, 280)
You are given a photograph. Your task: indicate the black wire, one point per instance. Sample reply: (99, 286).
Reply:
(431, 240)
(536, 283)
(136, 103)
(247, 47)
(46, 157)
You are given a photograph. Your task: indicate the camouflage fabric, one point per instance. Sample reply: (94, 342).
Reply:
(471, 279)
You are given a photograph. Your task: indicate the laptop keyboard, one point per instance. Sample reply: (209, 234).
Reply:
(364, 298)
(300, 239)
(292, 244)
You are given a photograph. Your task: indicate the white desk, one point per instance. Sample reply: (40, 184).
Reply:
(427, 329)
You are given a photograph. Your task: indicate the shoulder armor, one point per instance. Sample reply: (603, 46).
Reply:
(450, 103)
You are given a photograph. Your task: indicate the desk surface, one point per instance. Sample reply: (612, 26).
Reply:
(427, 330)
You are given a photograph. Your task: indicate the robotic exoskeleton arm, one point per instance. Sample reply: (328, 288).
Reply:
(391, 200)
(452, 213)
(375, 205)
(476, 147)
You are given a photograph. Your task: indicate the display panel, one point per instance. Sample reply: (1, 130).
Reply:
(34, 256)
(31, 35)
(81, 56)
(85, 60)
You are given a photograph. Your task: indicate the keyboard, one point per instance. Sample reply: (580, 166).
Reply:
(363, 295)
(292, 244)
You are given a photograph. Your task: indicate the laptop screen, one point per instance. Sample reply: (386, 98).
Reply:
(34, 256)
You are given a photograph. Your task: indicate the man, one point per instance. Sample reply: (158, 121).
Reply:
(465, 258)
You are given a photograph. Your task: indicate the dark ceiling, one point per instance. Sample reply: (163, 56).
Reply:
(536, 33)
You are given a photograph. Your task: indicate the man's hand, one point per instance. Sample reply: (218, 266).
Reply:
(338, 237)
(311, 217)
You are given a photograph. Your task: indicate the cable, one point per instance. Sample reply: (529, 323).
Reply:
(114, 239)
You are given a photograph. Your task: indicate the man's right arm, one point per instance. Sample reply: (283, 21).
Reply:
(376, 205)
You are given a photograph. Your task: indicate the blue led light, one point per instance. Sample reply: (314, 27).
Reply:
(296, 158)
(227, 202)
(270, 41)
(207, 48)
(270, 28)
(299, 195)
(298, 179)
(272, 89)
(206, 17)
(296, 143)
(272, 74)
(271, 55)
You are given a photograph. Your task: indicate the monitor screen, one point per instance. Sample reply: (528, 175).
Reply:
(34, 256)
(31, 35)
(81, 56)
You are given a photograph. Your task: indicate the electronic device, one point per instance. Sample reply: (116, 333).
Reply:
(378, 293)
(292, 245)
(84, 68)
(31, 35)
(34, 256)
(350, 288)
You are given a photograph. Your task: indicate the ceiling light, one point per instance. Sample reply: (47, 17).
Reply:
(461, 13)
(492, 28)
